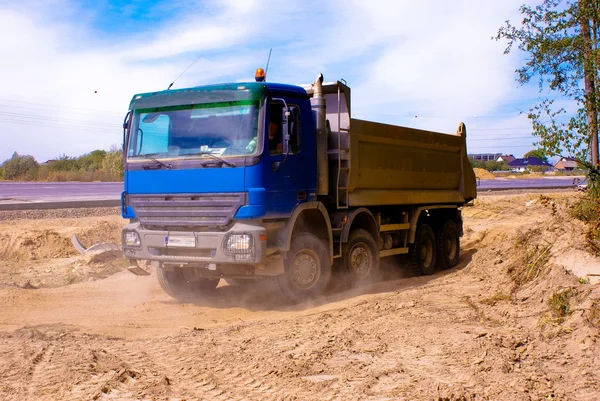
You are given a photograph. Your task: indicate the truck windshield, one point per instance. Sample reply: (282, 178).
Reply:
(200, 130)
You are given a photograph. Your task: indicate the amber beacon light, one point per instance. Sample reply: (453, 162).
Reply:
(260, 75)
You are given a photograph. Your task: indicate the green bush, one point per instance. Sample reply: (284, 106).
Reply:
(92, 161)
(587, 210)
(113, 164)
(18, 167)
(65, 163)
(494, 165)
(98, 165)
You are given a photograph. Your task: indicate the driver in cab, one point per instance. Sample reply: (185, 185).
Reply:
(275, 144)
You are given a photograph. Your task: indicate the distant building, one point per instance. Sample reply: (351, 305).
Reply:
(506, 158)
(566, 164)
(527, 164)
(484, 157)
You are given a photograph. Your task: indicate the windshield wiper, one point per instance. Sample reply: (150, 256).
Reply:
(158, 164)
(227, 162)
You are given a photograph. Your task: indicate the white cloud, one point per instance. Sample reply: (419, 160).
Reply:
(431, 59)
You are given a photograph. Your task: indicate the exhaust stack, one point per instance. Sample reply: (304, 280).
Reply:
(318, 105)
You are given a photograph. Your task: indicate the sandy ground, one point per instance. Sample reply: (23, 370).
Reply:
(518, 319)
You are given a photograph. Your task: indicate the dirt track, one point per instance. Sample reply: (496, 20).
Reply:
(71, 328)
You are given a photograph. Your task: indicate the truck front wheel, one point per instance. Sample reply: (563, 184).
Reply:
(361, 257)
(175, 284)
(423, 252)
(307, 269)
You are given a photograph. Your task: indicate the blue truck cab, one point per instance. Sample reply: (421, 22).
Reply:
(212, 176)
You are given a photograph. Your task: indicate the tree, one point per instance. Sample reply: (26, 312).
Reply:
(477, 163)
(65, 163)
(92, 161)
(561, 39)
(494, 165)
(19, 167)
(539, 153)
(113, 163)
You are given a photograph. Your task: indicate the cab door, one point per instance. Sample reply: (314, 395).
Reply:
(288, 176)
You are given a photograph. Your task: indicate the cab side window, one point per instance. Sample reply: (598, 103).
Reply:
(276, 127)
(294, 121)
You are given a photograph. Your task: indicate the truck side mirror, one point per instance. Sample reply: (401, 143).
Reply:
(286, 129)
(126, 122)
(286, 125)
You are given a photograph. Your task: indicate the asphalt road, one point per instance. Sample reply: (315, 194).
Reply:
(515, 183)
(56, 191)
(12, 192)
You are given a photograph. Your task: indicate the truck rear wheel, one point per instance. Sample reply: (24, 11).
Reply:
(361, 257)
(448, 244)
(423, 252)
(307, 270)
(174, 283)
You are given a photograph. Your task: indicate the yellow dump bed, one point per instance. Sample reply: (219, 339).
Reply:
(393, 165)
(372, 164)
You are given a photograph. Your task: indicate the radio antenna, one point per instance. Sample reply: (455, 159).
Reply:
(195, 61)
(268, 61)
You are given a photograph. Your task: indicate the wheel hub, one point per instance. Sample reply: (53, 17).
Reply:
(450, 247)
(305, 269)
(360, 261)
(426, 253)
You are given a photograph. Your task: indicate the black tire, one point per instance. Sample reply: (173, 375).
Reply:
(448, 244)
(360, 257)
(174, 283)
(423, 252)
(307, 270)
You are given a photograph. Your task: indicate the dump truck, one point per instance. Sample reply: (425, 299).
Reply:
(276, 183)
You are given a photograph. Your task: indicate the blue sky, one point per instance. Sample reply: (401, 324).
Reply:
(70, 68)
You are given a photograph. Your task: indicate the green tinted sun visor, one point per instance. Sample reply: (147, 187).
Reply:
(198, 95)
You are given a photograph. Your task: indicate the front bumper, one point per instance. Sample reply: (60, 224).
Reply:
(197, 248)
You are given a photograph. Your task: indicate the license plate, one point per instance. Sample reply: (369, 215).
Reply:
(180, 241)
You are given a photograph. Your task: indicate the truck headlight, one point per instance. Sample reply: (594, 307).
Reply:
(132, 239)
(236, 244)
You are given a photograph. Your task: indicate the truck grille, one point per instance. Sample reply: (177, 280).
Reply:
(186, 211)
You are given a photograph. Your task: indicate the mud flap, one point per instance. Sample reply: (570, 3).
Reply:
(135, 268)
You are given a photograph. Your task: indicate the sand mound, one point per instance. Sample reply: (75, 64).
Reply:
(103, 231)
(483, 174)
(533, 262)
(510, 322)
(36, 244)
(38, 254)
(44, 244)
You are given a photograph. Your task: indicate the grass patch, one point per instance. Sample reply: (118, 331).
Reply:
(533, 258)
(548, 202)
(593, 315)
(559, 304)
(588, 211)
(583, 280)
(70, 277)
(496, 298)
(559, 308)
